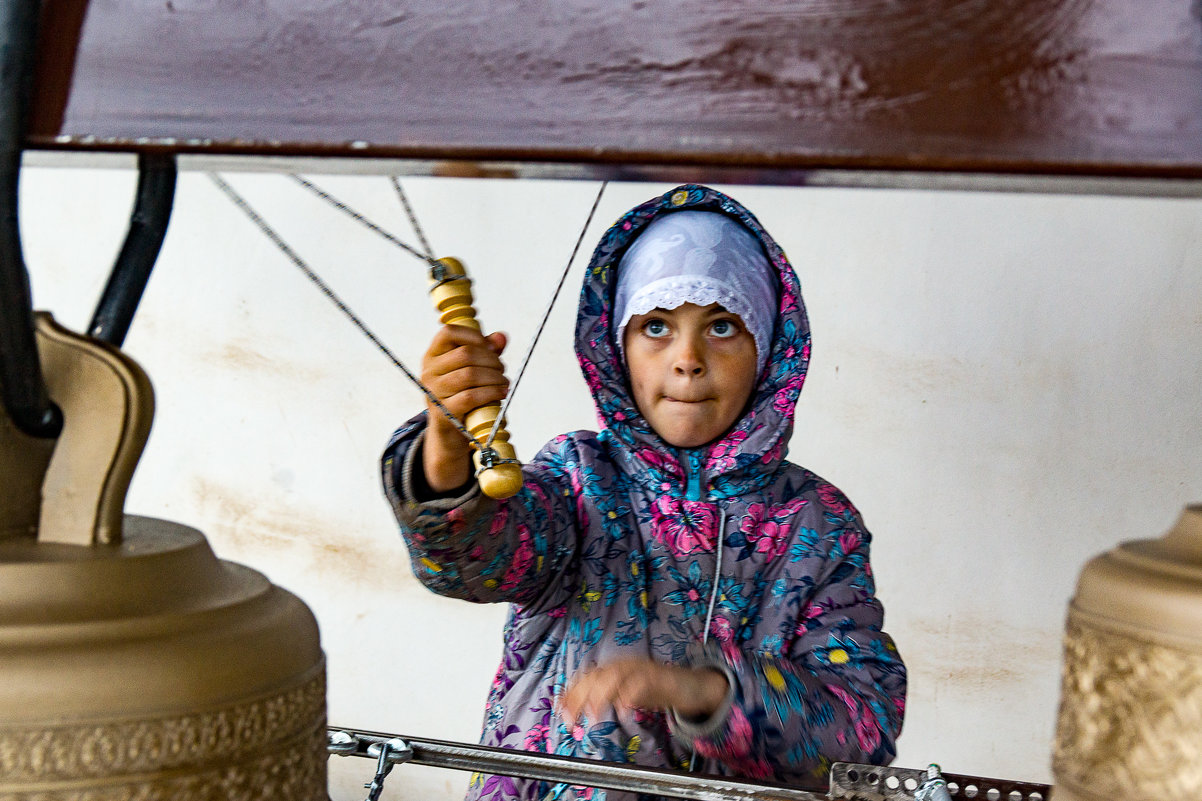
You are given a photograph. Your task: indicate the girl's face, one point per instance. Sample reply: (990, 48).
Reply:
(691, 369)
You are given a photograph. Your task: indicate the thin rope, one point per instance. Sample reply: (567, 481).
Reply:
(496, 426)
(417, 229)
(347, 210)
(709, 615)
(429, 258)
(270, 233)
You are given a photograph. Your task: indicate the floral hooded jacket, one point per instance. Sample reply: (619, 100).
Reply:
(619, 545)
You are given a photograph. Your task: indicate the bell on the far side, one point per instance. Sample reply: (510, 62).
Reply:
(133, 663)
(1130, 721)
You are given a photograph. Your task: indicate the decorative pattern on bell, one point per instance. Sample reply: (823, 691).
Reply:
(1130, 720)
(154, 670)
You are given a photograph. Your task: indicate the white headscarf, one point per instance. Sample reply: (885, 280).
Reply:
(698, 257)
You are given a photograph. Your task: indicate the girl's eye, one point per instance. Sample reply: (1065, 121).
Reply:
(655, 328)
(723, 328)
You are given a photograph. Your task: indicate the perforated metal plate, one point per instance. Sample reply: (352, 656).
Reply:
(873, 783)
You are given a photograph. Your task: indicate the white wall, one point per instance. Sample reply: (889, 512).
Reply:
(1004, 385)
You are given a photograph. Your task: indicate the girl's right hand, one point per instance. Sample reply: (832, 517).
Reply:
(634, 683)
(463, 369)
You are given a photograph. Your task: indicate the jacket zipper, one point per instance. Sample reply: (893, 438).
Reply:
(693, 475)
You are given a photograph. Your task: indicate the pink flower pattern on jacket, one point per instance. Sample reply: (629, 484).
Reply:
(684, 526)
(768, 528)
(660, 461)
(722, 455)
(868, 733)
(834, 499)
(786, 396)
(522, 559)
(736, 747)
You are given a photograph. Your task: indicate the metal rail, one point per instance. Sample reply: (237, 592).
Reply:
(557, 769)
(848, 781)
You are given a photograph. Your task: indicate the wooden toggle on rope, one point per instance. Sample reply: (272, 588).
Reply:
(498, 470)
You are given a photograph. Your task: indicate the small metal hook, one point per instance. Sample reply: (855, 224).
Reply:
(489, 459)
(388, 754)
(438, 272)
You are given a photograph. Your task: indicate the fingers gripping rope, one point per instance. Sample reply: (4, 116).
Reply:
(453, 299)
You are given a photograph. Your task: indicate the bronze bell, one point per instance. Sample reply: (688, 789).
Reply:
(133, 663)
(1130, 721)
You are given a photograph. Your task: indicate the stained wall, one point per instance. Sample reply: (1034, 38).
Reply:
(1004, 384)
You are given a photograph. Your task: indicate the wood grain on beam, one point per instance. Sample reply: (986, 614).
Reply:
(1076, 87)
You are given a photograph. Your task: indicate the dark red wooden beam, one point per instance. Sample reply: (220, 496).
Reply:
(1064, 87)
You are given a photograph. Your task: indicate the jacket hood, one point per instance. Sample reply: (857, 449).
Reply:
(748, 455)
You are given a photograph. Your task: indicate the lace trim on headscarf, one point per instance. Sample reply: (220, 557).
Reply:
(669, 293)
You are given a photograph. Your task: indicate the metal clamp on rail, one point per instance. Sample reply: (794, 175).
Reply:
(341, 743)
(387, 754)
(935, 786)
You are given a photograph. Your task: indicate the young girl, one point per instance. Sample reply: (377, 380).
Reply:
(681, 595)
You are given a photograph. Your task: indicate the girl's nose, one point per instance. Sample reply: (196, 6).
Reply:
(689, 358)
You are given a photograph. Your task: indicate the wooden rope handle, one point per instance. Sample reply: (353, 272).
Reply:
(499, 473)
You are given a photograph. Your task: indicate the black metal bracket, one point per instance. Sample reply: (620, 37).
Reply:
(22, 384)
(155, 198)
